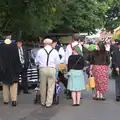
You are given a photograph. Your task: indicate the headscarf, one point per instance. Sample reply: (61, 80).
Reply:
(78, 50)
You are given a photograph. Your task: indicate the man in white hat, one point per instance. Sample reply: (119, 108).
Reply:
(47, 58)
(69, 48)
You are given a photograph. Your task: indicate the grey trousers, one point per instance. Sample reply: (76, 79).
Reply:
(117, 86)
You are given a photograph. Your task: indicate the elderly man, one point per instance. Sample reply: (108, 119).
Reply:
(47, 58)
(9, 70)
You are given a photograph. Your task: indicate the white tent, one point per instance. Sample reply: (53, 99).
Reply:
(94, 36)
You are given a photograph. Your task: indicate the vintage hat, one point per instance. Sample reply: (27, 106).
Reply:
(47, 41)
(53, 38)
(78, 50)
(19, 40)
(7, 41)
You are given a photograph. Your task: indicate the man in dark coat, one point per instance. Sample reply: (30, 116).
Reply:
(24, 60)
(9, 70)
(113, 48)
(116, 61)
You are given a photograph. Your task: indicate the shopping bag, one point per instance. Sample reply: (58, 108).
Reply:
(92, 82)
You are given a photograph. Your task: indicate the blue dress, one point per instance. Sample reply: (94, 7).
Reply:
(76, 81)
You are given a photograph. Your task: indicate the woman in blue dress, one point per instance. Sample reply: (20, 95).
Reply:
(76, 81)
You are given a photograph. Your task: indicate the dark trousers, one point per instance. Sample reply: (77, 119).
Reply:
(117, 86)
(114, 73)
(65, 83)
(54, 97)
(24, 82)
(63, 79)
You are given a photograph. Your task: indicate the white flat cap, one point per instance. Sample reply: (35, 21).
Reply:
(47, 41)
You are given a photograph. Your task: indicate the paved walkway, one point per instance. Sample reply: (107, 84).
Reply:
(89, 109)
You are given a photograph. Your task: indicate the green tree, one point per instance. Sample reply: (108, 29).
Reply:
(38, 17)
(30, 17)
(84, 16)
(116, 36)
(113, 15)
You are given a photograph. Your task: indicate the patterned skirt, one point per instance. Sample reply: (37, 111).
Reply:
(100, 73)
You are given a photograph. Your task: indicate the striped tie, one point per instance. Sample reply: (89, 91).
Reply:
(21, 56)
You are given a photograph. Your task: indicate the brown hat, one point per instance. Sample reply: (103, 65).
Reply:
(19, 40)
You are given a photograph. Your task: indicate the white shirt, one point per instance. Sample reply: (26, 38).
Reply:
(41, 57)
(62, 53)
(68, 52)
(107, 47)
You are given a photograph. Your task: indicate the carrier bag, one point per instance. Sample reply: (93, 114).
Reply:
(92, 82)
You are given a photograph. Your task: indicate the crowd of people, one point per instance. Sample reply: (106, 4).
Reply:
(79, 59)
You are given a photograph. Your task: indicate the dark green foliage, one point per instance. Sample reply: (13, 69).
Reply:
(38, 17)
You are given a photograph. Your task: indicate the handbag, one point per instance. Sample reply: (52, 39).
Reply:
(92, 82)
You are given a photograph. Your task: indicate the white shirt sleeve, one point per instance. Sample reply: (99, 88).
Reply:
(62, 53)
(37, 58)
(68, 53)
(57, 58)
(107, 47)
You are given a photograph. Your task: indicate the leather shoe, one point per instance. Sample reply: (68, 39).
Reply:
(19, 92)
(13, 103)
(48, 106)
(74, 105)
(26, 92)
(117, 99)
(5, 103)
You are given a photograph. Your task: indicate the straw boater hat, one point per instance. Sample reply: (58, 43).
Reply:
(7, 41)
(47, 41)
